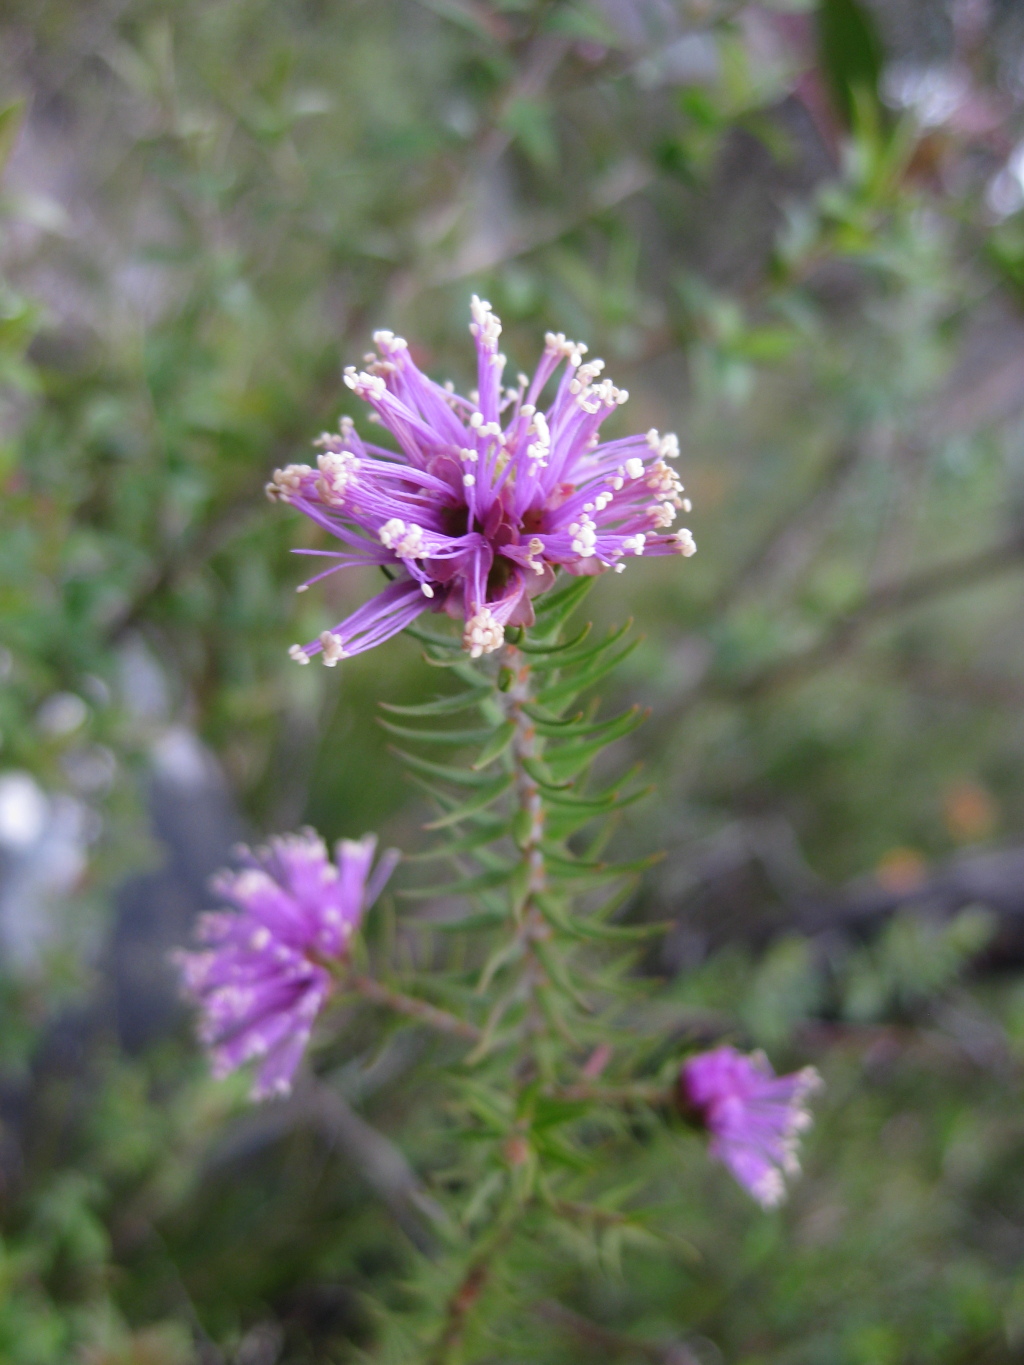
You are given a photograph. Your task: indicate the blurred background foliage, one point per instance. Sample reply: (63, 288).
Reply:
(796, 233)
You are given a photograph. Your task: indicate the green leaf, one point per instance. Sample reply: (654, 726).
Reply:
(552, 725)
(561, 864)
(577, 727)
(479, 802)
(489, 831)
(496, 745)
(529, 648)
(850, 52)
(555, 609)
(555, 966)
(458, 777)
(453, 738)
(464, 886)
(586, 928)
(541, 776)
(443, 706)
(563, 692)
(592, 651)
(568, 759)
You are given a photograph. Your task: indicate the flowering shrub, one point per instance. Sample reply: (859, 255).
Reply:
(473, 517)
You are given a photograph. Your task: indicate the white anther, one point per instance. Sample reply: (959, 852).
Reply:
(533, 549)
(666, 446)
(661, 514)
(483, 634)
(486, 325)
(287, 482)
(387, 341)
(469, 480)
(337, 470)
(426, 590)
(468, 455)
(334, 650)
(297, 653)
(584, 537)
(585, 375)
(634, 545)
(365, 385)
(634, 468)
(476, 420)
(556, 343)
(686, 505)
(406, 541)
(663, 480)
(683, 543)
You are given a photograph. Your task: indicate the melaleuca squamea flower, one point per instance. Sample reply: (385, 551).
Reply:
(485, 497)
(753, 1116)
(263, 974)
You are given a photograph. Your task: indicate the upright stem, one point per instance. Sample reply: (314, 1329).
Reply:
(524, 745)
(533, 926)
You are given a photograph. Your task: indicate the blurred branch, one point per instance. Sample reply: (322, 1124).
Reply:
(166, 573)
(888, 600)
(792, 537)
(624, 181)
(380, 1163)
(993, 878)
(375, 1157)
(615, 1343)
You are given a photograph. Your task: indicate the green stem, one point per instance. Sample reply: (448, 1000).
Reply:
(467, 1292)
(525, 746)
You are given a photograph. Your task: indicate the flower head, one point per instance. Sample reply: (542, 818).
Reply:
(485, 497)
(263, 975)
(753, 1116)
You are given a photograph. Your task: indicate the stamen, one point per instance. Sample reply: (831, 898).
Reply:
(334, 650)
(486, 325)
(406, 541)
(287, 482)
(483, 634)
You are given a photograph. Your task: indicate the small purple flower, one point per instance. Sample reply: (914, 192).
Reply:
(753, 1116)
(263, 977)
(485, 497)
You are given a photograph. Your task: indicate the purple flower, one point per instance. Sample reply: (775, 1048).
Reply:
(264, 975)
(753, 1116)
(485, 497)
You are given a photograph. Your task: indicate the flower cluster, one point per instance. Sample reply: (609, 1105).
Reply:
(485, 497)
(264, 973)
(754, 1117)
